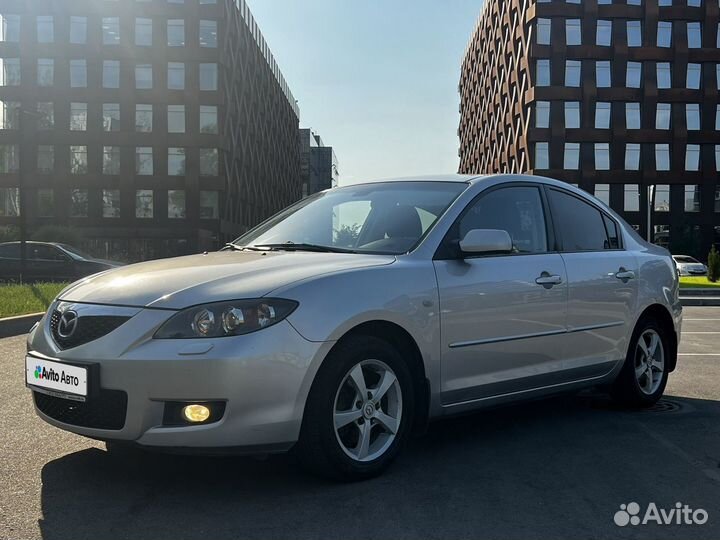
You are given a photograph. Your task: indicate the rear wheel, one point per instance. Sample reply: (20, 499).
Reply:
(359, 410)
(643, 378)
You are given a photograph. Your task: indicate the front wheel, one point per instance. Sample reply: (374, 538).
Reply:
(359, 410)
(642, 380)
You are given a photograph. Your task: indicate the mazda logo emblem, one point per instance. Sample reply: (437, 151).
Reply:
(68, 324)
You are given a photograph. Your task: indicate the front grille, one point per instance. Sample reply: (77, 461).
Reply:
(105, 411)
(89, 328)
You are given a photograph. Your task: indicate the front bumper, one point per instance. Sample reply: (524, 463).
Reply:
(263, 378)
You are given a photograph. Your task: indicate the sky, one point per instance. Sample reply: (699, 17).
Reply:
(376, 79)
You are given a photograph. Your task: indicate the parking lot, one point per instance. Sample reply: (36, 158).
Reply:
(560, 468)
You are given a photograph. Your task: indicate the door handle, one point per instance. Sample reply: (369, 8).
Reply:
(624, 274)
(546, 279)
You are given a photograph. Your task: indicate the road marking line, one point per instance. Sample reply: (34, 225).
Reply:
(701, 319)
(697, 354)
(685, 333)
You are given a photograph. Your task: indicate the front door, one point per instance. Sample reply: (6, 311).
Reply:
(503, 317)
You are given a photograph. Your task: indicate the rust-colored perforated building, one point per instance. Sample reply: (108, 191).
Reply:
(619, 97)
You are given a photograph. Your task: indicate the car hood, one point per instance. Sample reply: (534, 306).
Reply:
(225, 275)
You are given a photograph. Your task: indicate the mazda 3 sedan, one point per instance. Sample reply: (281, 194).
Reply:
(340, 326)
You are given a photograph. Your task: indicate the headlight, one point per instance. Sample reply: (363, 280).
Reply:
(221, 319)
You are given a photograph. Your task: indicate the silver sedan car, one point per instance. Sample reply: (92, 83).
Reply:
(340, 326)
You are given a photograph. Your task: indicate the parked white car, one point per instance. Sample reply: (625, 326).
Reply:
(689, 266)
(347, 321)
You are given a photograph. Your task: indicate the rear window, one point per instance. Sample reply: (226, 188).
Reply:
(685, 259)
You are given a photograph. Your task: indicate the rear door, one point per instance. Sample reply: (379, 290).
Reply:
(503, 317)
(602, 294)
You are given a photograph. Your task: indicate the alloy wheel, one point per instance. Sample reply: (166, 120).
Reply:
(649, 361)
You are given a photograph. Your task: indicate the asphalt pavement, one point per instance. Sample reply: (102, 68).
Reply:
(554, 469)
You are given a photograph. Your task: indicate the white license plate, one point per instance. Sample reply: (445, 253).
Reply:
(55, 376)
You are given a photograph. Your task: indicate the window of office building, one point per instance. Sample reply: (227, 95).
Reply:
(208, 76)
(78, 73)
(144, 203)
(143, 76)
(9, 71)
(176, 118)
(78, 116)
(632, 157)
(111, 160)
(542, 160)
(143, 32)
(45, 202)
(78, 160)
(692, 116)
(572, 72)
(717, 157)
(9, 158)
(694, 3)
(542, 114)
(208, 119)
(664, 34)
(664, 75)
(45, 71)
(662, 157)
(634, 34)
(662, 116)
(45, 117)
(176, 161)
(573, 32)
(602, 74)
(111, 116)
(209, 165)
(143, 160)
(602, 193)
(208, 33)
(603, 34)
(694, 35)
(9, 28)
(543, 31)
(602, 156)
(692, 157)
(572, 114)
(45, 29)
(633, 74)
(693, 76)
(602, 115)
(111, 203)
(176, 32)
(78, 30)
(717, 118)
(692, 198)
(45, 159)
(662, 198)
(111, 74)
(176, 76)
(542, 72)
(110, 30)
(79, 203)
(9, 115)
(632, 115)
(9, 202)
(176, 203)
(143, 118)
(631, 201)
(209, 205)
(571, 157)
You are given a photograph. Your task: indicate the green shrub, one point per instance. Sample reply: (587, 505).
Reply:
(713, 265)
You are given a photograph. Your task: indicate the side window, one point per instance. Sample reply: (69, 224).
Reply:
(612, 232)
(581, 225)
(517, 210)
(46, 253)
(10, 251)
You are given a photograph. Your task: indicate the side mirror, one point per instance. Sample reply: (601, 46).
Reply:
(486, 241)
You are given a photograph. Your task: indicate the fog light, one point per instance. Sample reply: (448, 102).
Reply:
(196, 413)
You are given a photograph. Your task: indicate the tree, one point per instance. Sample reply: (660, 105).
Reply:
(713, 265)
(347, 235)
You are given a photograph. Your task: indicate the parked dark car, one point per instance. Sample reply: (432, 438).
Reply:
(49, 261)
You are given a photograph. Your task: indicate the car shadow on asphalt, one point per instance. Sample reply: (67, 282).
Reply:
(548, 469)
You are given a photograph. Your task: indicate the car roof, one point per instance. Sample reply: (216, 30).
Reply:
(458, 178)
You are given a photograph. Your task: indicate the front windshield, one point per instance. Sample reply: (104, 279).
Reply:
(388, 217)
(75, 251)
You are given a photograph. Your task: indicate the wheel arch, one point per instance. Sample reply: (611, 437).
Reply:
(660, 313)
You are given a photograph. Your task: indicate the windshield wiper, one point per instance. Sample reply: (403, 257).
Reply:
(236, 247)
(291, 246)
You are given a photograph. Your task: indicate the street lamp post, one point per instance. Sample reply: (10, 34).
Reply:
(650, 208)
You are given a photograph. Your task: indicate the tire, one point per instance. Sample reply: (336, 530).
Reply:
(633, 387)
(340, 454)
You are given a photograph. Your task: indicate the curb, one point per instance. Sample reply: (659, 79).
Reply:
(700, 300)
(21, 324)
